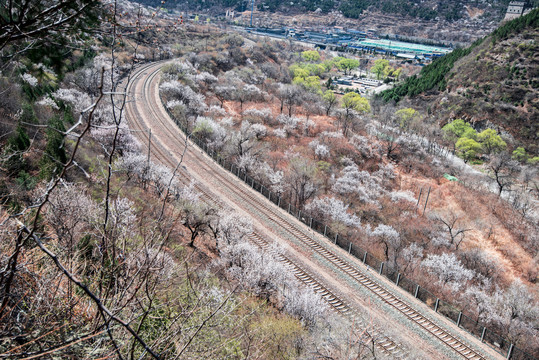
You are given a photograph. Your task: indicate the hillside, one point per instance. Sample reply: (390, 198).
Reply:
(493, 81)
(426, 10)
(96, 257)
(119, 240)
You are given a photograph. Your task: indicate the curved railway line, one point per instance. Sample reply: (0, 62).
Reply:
(266, 212)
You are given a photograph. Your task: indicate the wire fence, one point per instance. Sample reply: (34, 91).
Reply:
(463, 320)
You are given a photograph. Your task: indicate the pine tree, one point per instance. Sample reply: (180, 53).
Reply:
(55, 155)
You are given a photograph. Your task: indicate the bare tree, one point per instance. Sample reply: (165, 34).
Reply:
(289, 96)
(33, 21)
(504, 170)
(197, 219)
(302, 180)
(455, 233)
(223, 92)
(390, 240)
(247, 92)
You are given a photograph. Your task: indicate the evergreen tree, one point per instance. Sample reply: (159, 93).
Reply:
(16, 145)
(55, 155)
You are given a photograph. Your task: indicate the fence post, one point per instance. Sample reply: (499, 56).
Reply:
(299, 215)
(336, 236)
(459, 318)
(365, 257)
(289, 208)
(350, 248)
(311, 223)
(483, 333)
(510, 352)
(398, 279)
(436, 305)
(419, 197)
(426, 202)
(253, 183)
(325, 229)
(381, 268)
(416, 291)
(269, 195)
(279, 202)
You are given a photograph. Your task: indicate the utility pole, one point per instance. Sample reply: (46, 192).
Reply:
(149, 146)
(252, 8)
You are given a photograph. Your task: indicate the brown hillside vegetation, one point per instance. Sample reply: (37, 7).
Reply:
(497, 84)
(366, 184)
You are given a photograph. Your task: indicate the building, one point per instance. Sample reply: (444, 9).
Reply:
(514, 10)
(400, 47)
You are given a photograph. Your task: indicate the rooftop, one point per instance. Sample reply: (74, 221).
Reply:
(403, 47)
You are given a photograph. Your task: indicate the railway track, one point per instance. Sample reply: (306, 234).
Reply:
(252, 202)
(385, 344)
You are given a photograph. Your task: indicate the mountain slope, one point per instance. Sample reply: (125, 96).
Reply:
(495, 80)
(452, 10)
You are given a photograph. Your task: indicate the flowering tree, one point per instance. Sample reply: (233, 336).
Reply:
(448, 270)
(390, 240)
(358, 183)
(329, 208)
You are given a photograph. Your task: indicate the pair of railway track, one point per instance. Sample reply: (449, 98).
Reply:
(164, 129)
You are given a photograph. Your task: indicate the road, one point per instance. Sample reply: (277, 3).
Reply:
(403, 326)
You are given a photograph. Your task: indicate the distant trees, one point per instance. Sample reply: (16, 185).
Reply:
(410, 257)
(520, 154)
(223, 92)
(468, 148)
(359, 184)
(530, 20)
(516, 310)
(353, 106)
(381, 68)
(406, 117)
(469, 143)
(490, 141)
(243, 141)
(196, 217)
(456, 129)
(310, 55)
(321, 151)
(230, 228)
(193, 102)
(513, 310)
(16, 145)
(329, 100)
(431, 76)
(345, 64)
